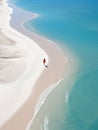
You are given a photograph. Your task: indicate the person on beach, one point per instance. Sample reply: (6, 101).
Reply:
(44, 62)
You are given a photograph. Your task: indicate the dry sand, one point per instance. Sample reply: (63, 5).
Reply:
(57, 63)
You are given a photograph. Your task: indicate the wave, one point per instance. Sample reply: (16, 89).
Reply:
(46, 122)
(41, 101)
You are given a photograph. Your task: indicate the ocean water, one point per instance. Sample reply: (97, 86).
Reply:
(71, 23)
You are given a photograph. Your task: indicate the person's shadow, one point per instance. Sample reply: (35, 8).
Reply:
(46, 66)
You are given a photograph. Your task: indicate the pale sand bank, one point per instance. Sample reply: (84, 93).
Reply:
(51, 75)
(20, 66)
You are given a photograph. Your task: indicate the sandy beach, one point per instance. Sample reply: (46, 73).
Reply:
(23, 77)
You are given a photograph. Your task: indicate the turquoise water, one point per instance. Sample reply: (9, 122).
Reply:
(73, 23)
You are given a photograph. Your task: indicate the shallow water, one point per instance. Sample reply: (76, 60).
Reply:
(74, 24)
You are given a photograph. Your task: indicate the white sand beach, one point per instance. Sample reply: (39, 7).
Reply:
(23, 77)
(19, 56)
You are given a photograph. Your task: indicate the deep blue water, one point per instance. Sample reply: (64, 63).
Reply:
(73, 23)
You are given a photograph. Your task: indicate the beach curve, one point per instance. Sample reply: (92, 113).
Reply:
(51, 75)
(16, 63)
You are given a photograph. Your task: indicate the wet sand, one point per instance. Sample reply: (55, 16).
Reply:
(55, 71)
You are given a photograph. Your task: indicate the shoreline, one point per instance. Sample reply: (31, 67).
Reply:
(27, 16)
(10, 124)
(10, 41)
(41, 101)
